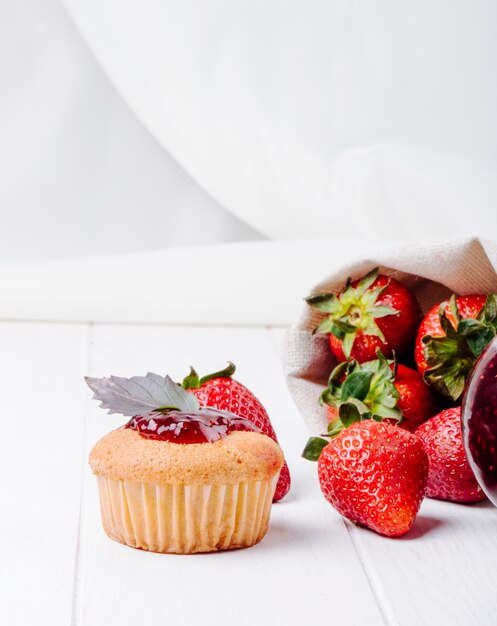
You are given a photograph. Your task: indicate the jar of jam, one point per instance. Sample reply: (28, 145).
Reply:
(479, 420)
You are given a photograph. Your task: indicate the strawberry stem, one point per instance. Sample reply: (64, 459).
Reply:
(227, 372)
(362, 391)
(192, 381)
(451, 357)
(313, 448)
(353, 310)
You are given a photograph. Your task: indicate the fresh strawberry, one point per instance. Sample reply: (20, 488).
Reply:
(451, 337)
(450, 476)
(220, 391)
(378, 389)
(416, 401)
(376, 311)
(374, 474)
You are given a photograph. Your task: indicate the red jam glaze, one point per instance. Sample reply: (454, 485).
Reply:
(203, 426)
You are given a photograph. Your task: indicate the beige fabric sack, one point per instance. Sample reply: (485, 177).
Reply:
(433, 271)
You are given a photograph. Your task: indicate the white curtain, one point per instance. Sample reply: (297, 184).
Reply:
(79, 173)
(324, 116)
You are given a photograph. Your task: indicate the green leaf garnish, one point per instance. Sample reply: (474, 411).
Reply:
(140, 394)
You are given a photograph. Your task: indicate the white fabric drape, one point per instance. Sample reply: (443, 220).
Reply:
(344, 116)
(250, 283)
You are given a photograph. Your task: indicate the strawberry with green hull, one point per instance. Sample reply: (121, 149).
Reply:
(449, 477)
(221, 391)
(374, 474)
(378, 389)
(374, 312)
(451, 337)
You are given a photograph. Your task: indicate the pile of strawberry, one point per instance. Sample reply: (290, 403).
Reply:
(394, 432)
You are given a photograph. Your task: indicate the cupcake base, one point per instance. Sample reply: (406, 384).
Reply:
(184, 519)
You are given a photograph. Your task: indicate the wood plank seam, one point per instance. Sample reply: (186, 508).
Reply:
(78, 581)
(384, 607)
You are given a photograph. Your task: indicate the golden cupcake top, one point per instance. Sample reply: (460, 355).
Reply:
(239, 456)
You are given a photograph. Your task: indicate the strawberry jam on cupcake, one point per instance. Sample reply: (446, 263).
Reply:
(179, 478)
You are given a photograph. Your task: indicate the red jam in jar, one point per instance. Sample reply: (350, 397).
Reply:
(203, 426)
(479, 420)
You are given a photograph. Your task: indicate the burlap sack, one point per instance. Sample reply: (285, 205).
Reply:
(433, 271)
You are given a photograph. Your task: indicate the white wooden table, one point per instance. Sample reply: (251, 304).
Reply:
(58, 568)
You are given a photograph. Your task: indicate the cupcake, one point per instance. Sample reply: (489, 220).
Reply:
(179, 478)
